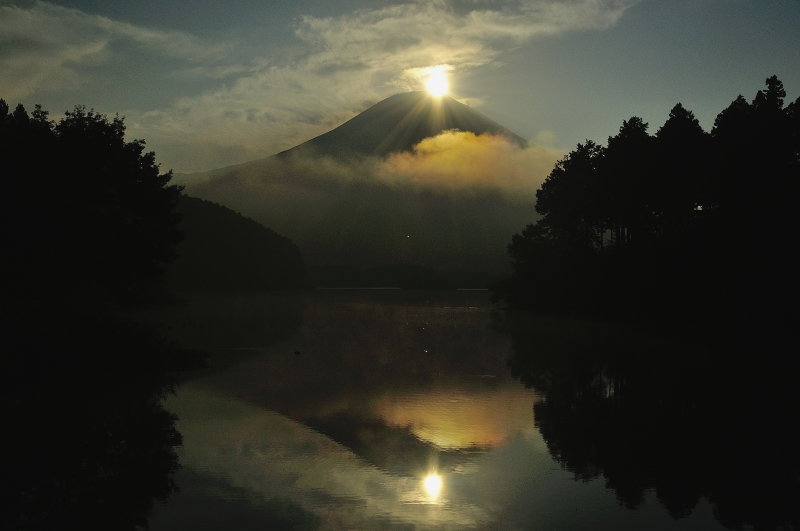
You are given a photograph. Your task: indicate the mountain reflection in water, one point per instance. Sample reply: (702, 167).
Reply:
(456, 418)
(337, 425)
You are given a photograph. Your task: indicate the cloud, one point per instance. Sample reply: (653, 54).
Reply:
(357, 59)
(454, 164)
(429, 33)
(236, 108)
(476, 191)
(457, 162)
(48, 48)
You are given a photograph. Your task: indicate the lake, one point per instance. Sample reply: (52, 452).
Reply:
(389, 409)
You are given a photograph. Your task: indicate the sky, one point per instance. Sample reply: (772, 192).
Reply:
(210, 84)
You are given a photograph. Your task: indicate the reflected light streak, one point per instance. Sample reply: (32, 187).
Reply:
(265, 456)
(433, 484)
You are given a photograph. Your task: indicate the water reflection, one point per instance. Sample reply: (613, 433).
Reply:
(433, 485)
(338, 419)
(86, 441)
(275, 457)
(461, 419)
(339, 425)
(647, 416)
(362, 367)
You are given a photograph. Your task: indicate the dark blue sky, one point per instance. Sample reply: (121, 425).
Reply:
(209, 84)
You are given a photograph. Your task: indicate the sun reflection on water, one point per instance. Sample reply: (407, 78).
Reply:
(433, 484)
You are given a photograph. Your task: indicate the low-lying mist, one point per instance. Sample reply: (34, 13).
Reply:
(460, 164)
(453, 202)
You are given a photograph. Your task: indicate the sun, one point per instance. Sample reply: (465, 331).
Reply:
(436, 84)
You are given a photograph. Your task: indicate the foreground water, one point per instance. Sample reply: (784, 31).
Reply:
(329, 409)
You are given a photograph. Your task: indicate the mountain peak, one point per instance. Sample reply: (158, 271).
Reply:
(397, 124)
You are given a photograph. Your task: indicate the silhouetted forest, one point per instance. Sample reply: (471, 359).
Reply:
(83, 210)
(88, 224)
(682, 228)
(222, 249)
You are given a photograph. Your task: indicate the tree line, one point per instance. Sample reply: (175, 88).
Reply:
(89, 225)
(88, 222)
(83, 210)
(681, 226)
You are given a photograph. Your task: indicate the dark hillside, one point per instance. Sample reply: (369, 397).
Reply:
(225, 250)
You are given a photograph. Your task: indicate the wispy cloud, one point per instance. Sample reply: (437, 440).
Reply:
(264, 106)
(48, 48)
(358, 59)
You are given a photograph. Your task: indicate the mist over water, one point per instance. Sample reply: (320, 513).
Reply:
(337, 422)
(455, 164)
(462, 164)
(450, 204)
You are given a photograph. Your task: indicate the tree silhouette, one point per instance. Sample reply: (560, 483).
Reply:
(627, 180)
(567, 200)
(83, 208)
(88, 222)
(682, 228)
(682, 170)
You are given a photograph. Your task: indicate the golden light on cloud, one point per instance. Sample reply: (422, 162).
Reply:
(462, 162)
(456, 419)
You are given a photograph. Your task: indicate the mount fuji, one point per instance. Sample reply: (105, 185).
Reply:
(326, 196)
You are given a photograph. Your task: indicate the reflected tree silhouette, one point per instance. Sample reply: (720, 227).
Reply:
(683, 422)
(87, 442)
(88, 222)
(692, 235)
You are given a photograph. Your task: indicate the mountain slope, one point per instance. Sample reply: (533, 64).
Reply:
(329, 197)
(222, 249)
(398, 123)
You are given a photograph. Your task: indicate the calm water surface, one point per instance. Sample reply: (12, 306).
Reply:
(329, 409)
